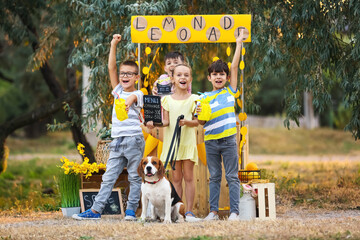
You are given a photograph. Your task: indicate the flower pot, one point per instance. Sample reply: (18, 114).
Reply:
(68, 212)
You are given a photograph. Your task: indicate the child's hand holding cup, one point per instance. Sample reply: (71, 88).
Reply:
(120, 109)
(204, 110)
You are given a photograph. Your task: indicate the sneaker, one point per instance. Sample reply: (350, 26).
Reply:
(212, 216)
(191, 218)
(130, 215)
(87, 215)
(233, 217)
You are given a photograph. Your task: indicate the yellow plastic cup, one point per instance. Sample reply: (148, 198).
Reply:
(205, 113)
(121, 113)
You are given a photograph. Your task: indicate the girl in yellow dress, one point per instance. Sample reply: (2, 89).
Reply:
(181, 103)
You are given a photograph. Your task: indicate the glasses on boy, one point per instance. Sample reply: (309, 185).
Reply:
(127, 74)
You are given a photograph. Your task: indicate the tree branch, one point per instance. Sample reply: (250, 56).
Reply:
(44, 111)
(2, 76)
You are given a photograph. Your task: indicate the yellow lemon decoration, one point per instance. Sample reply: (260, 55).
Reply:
(215, 59)
(239, 102)
(251, 166)
(145, 70)
(144, 91)
(137, 63)
(242, 65)
(147, 50)
(229, 65)
(136, 54)
(242, 143)
(242, 116)
(243, 51)
(228, 51)
(243, 131)
(237, 94)
(146, 83)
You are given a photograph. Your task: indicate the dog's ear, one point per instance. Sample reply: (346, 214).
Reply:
(140, 169)
(161, 169)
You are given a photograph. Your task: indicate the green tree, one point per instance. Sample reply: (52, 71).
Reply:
(38, 30)
(297, 39)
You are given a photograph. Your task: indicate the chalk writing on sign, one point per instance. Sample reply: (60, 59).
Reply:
(113, 205)
(152, 108)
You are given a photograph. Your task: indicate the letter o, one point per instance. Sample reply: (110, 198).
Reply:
(183, 34)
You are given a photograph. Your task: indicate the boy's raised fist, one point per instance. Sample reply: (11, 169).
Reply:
(116, 39)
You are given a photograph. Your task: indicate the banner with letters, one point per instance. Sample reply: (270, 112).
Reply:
(190, 28)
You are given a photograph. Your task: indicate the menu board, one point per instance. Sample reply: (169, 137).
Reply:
(152, 108)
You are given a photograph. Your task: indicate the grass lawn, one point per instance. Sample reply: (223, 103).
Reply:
(321, 141)
(330, 185)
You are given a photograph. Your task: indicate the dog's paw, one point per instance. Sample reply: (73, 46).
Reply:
(167, 221)
(180, 220)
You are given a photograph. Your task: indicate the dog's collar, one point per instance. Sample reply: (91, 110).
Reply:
(152, 182)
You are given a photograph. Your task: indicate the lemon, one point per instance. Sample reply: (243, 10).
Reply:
(145, 91)
(253, 175)
(242, 116)
(145, 70)
(251, 166)
(147, 50)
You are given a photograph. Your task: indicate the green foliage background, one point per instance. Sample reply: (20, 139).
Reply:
(298, 40)
(313, 44)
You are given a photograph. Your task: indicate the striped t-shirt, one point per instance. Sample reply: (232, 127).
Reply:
(222, 121)
(131, 125)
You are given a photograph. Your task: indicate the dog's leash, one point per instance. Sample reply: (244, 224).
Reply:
(172, 154)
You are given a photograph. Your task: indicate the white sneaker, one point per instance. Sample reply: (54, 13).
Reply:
(192, 219)
(212, 216)
(233, 217)
(130, 218)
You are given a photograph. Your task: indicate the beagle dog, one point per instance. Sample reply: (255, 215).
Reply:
(166, 203)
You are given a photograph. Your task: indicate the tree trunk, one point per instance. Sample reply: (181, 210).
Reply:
(40, 113)
(55, 86)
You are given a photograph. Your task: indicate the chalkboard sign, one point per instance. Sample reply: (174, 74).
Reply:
(152, 108)
(163, 89)
(114, 204)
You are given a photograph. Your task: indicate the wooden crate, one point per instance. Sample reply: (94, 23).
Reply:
(265, 201)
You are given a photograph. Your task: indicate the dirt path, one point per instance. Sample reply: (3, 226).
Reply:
(299, 223)
(252, 158)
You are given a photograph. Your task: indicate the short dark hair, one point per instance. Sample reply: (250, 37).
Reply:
(174, 55)
(219, 66)
(130, 63)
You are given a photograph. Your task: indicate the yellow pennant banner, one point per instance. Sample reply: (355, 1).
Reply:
(190, 28)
